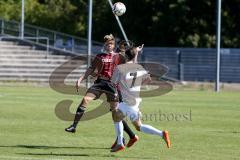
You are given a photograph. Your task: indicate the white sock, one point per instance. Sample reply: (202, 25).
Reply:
(150, 130)
(119, 132)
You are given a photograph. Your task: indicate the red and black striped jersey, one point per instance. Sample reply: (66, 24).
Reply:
(105, 63)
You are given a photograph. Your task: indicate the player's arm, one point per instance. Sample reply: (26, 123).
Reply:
(89, 71)
(137, 50)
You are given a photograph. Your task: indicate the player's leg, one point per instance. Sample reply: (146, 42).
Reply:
(117, 117)
(132, 136)
(80, 111)
(111, 97)
(82, 107)
(151, 130)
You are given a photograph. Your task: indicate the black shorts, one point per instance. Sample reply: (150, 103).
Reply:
(101, 86)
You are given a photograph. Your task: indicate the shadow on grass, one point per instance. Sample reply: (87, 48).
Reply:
(50, 147)
(231, 132)
(83, 155)
(69, 154)
(54, 154)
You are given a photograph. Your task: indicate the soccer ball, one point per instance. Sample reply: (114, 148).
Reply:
(119, 8)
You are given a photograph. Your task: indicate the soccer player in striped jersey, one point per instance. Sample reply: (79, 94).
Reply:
(129, 77)
(103, 65)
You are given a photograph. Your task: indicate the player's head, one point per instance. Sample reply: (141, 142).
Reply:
(130, 54)
(109, 43)
(124, 45)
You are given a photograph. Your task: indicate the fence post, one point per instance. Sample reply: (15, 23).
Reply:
(181, 70)
(47, 47)
(73, 44)
(19, 30)
(180, 66)
(37, 35)
(2, 26)
(54, 39)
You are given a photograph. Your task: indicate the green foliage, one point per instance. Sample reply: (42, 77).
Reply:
(55, 14)
(10, 9)
(172, 23)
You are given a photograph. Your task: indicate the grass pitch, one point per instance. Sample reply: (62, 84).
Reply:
(202, 125)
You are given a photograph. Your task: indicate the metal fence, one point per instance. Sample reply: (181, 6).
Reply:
(196, 64)
(57, 40)
(185, 64)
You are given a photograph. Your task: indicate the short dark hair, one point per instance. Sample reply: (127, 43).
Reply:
(130, 54)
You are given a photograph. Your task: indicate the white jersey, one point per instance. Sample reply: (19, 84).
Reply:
(129, 78)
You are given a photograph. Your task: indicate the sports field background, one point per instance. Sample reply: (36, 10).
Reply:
(29, 128)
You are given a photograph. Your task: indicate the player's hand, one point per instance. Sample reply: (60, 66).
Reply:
(139, 48)
(78, 84)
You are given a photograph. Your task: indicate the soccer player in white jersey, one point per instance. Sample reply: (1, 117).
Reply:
(129, 77)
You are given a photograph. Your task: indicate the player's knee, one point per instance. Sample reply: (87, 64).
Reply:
(137, 127)
(116, 119)
(115, 116)
(86, 100)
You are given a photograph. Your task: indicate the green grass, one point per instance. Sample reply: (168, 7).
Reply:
(29, 128)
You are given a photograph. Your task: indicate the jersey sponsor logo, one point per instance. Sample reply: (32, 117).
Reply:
(107, 60)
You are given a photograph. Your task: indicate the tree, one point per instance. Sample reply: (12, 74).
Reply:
(166, 23)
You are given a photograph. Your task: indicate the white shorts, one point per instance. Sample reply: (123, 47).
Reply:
(132, 112)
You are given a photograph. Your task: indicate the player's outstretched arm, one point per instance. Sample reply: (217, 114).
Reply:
(138, 50)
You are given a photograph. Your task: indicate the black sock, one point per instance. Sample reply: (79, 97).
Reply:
(127, 129)
(78, 115)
